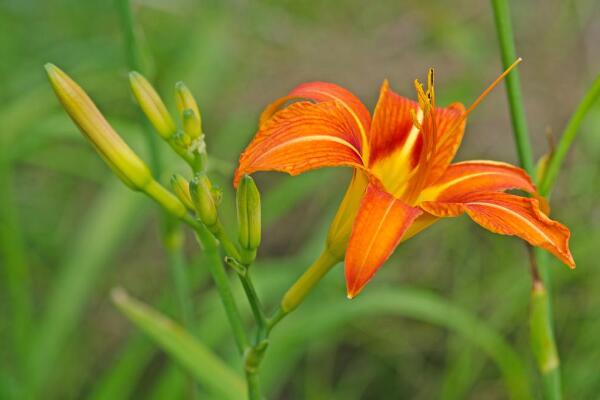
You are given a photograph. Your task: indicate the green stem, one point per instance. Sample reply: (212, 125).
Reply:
(513, 85)
(551, 378)
(302, 287)
(171, 230)
(230, 249)
(567, 138)
(133, 51)
(542, 340)
(209, 244)
(253, 385)
(255, 305)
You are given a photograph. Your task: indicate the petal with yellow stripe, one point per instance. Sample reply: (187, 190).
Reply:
(477, 176)
(325, 92)
(302, 137)
(379, 226)
(508, 214)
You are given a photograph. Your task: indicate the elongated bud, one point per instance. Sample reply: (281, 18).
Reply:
(82, 110)
(249, 219)
(200, 189)
(152, 105)
(185, 100)
(191, 124)
(181, 188)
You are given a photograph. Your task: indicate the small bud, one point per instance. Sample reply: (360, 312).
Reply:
(191, 123)
(185, 101)
(82, 110)
(152, 105)
(249, 219)
(181, 188)
(181, 139)
(200, 189)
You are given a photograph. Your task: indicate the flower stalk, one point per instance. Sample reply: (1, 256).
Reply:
(542, 338)
(508, 54)
(303, 286)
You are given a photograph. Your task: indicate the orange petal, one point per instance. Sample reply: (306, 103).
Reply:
(324, 92)
(439, 138)
(378, 228)
(301, 137)
(449, 131)
(477, 176)
(412, 144)
(392, 122)
(507, 214)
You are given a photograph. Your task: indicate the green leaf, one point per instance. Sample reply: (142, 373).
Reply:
(210, 370)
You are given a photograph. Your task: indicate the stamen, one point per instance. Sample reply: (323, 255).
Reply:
(430, 87)
(491, 87)
(415, 119)
(499, 79)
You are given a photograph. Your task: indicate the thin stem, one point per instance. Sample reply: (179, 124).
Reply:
(133, 50)
(513, 85)
(172, 233)
(275, 319)
(255, 305)
(229, 247)
(209, 244)
(302, 287)
(567, 137)
(544, 332)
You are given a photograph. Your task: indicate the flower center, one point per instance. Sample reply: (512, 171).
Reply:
(395, 170)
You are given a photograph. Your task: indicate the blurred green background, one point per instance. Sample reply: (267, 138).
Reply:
(69, 231)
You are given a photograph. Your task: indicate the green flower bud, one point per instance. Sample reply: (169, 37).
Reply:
(185, 101)
(191, 123)
(181, 188)
(82, 110)
(248, 215)
(200, 190)
(152, 105)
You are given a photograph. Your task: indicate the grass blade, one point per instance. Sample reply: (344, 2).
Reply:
(181, 345)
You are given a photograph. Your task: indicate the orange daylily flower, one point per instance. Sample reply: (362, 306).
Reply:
(404, 180)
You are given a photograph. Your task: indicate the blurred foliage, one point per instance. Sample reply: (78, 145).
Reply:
(69, 232)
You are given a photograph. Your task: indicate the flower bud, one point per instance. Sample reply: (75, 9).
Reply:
(185, 101)
(82, 110)
(181, 188)
(191, 123)
(152, 105)
(200, 190)
(249, 219)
